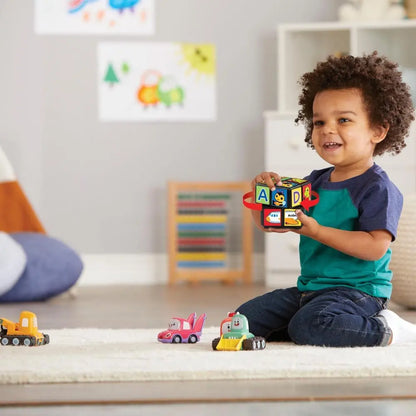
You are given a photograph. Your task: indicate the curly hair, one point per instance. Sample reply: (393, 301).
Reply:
(386, 97)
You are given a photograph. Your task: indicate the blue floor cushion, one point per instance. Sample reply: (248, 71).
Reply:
(52, 268)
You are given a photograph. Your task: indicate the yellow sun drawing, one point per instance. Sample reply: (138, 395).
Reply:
(199, 58)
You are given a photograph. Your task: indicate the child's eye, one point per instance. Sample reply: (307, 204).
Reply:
(343, 120)
(318, 123)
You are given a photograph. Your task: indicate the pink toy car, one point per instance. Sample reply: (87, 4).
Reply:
(183, 330)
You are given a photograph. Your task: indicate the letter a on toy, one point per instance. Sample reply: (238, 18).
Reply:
(262, 195)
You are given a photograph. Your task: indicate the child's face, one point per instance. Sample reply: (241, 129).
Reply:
(342, 134)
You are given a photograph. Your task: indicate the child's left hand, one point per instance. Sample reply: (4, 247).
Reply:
(309, 227)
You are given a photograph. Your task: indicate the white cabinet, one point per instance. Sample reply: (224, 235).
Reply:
(286, 150)
(300, 47)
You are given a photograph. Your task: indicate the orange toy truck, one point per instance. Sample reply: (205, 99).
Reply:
(25, 332)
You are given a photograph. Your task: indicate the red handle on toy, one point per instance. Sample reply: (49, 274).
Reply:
(251, 205)
(307, 203)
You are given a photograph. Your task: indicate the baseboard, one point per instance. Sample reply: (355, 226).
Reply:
(138, 269)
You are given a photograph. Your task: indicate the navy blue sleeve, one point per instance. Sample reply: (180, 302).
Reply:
(318, 176)
(380, 208)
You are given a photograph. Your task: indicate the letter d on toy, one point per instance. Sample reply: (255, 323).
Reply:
(296, 197)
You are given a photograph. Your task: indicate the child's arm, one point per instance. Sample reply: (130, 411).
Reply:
(364, 245)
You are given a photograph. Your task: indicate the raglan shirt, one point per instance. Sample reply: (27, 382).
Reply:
(366, 202)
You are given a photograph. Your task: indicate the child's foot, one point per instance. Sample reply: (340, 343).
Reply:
(402, 331)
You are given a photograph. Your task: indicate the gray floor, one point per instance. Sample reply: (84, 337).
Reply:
(151, 307)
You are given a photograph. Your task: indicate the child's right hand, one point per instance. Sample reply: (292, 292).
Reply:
(269, 178)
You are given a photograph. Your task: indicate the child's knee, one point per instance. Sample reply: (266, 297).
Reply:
(249, 309)
(305, 329)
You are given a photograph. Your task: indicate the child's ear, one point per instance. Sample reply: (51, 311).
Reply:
(380, 132)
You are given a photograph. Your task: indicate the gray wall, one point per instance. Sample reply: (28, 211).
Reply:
(100, 186)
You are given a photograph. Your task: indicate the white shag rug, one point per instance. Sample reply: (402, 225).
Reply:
(98, 355)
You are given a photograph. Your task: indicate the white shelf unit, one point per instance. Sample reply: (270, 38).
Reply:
(300, 47)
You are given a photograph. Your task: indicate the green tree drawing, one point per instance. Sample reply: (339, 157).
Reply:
(110, 76)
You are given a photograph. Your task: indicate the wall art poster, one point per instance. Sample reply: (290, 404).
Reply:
(145, 81)
(95, 17)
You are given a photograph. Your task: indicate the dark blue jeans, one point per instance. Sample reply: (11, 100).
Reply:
(335, 317)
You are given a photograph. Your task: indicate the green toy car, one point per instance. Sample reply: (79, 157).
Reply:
(238, 337)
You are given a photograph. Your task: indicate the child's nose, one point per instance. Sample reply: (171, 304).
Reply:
(329, 128)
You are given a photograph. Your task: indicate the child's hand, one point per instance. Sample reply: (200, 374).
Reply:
(276, 230)
(309, 227)
(269, 178)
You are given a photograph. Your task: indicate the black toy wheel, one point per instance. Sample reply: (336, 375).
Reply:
(256, 343)
(45, 338)
(28, 341)
(215, 342)
(192, 339)
(176, 339)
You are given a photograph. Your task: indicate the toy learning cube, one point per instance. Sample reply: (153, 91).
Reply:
(280, 205)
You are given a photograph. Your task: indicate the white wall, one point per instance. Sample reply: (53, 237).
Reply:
(100, 187)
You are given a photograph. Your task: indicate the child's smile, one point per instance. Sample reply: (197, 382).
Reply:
(331, 146)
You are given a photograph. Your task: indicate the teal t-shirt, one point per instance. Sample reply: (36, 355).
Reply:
(366, 202)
